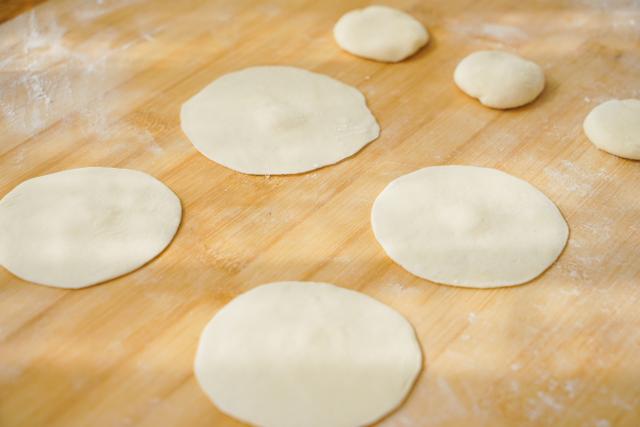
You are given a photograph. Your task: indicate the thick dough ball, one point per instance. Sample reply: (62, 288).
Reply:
(614, 126)
(380, 33)
(499, 79)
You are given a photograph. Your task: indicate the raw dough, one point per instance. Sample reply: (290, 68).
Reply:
(614, 126)
(294, 354)
(80, 227)
(278, 120)
(468, 226)
(499, 79)
(380, 33)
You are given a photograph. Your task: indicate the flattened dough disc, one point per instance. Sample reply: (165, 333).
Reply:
(468, 226)
(294, 354)
(80, 227)
(275, 120)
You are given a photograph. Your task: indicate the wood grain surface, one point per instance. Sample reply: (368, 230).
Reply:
(11, 8)
(101, 83)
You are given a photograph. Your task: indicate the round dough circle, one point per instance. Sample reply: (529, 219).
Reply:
(468, 226)
(614, 126)
(293, 354)
(278, 120)
(80, 227)
(380, 33)
(499, 79)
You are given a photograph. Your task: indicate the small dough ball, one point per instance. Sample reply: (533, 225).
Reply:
(380, 33)
(304, 354)
(614, 126)
(275, 120)
(468, 226)
(79, 227)
(499, 79)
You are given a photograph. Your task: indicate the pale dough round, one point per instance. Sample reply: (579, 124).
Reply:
(499, 79)
(278, 120)
(614, 126)
(380, 33)
(468, 226)
(80, 227)
(294, 354)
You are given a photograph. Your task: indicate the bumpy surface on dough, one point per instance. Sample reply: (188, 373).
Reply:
(468, 226)
(294, 354)
(614, 126)
(80, 227)
(380, 33)
(499, 79)
(278, 120)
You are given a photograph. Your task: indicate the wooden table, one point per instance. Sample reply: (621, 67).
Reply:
(101, 83)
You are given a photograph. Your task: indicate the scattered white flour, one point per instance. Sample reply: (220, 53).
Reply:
(496, 34)
(503, 33)
(454, 402)
(571, 387)
(50, 76)
(548, 400)
(570, 292)
(574, 178)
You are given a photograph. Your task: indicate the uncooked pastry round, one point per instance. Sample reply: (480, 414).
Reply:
(278, 120)
(80, 227)
(293, 354)
(380, 33)
(614, 126)
(468, 226)
(499, 79)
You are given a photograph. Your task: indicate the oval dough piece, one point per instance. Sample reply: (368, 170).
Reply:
(380, 33)
(468, 226)
(84, 226)
(293, 354)
(499, 79)
(278, 120)
(614, 126)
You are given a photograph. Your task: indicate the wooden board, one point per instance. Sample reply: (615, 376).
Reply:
(101, 83)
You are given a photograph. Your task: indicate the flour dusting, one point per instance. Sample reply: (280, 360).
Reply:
(51, 75)
(503, 33)
(496, 33)
(472, 317)
(575, 179)
(548, 400)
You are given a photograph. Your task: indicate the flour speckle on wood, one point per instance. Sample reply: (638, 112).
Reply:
(490, 32)
(51, 75)
(576, 179)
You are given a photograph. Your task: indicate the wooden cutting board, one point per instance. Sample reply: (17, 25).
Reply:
(101, 83)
